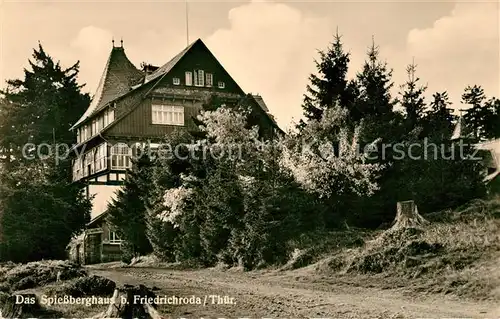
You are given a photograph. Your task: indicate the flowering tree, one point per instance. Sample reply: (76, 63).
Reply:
(235, 209)
(175, 202)
(325, 159)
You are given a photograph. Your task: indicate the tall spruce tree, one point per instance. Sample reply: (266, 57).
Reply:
(477, 115)
(492, 120)
(127, 212)
(331, 85)
(375, 84)
(440, 117)
(43, 106)
(41, 207)
(412, 99)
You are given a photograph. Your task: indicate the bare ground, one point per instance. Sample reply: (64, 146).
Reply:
(292, 294)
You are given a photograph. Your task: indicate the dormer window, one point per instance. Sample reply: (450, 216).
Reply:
(189, 78)
(222, 85)
(209, 79)
(177, 81)
(199, 78)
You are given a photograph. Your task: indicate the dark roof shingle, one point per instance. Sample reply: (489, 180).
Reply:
(164, 69)
(118, 76)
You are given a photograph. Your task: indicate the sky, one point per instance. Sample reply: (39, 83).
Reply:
(268, 47)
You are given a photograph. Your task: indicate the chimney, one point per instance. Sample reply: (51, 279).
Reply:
(148, 68)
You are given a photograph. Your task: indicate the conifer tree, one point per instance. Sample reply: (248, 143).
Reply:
(331, 85)
(412, 99)
(477, 115)
(375, 84)
(492, 120)
(440, 117)
(41, 207)
(127, 213)
(43, 106)
(41, 211)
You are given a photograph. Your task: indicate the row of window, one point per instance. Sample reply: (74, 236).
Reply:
(167, 114)
(199, 78)
(95, 160)
(90, 129)
(161, 114)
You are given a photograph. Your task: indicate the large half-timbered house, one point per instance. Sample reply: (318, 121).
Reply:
(132, 106)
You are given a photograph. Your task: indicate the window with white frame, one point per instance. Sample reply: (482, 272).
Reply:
(77, 169)
(209, 79)
(120, 156)
(88, 165)
(87, 132)
(199, 78)
(94, 127)
(114, 238)
(106, 118)
(97, 127)
(189, 78)
(100, 158)
(167, 114)
(111, 115)
(78, 136)
(176, 81)
(221, 85)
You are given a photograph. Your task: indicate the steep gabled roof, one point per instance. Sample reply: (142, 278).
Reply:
(164, 69)
(119, 70)
(118, 76)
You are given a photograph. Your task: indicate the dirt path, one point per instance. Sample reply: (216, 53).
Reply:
(275, 295)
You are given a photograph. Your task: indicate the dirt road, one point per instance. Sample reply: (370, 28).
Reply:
(278, 295)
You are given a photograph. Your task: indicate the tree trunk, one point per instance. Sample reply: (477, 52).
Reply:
(408, 216)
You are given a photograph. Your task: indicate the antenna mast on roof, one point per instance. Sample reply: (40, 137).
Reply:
(187, 24)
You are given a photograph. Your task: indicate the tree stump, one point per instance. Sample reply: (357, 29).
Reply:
(130, 308)
(25, 306)
(408, 216)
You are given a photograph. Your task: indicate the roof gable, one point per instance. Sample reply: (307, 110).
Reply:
(105, 94)
(197, 45)
(118, 76)
(164, 69)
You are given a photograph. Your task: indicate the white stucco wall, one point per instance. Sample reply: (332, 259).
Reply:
(103, 195)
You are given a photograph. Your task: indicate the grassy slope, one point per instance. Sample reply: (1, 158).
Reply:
(458, 253)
